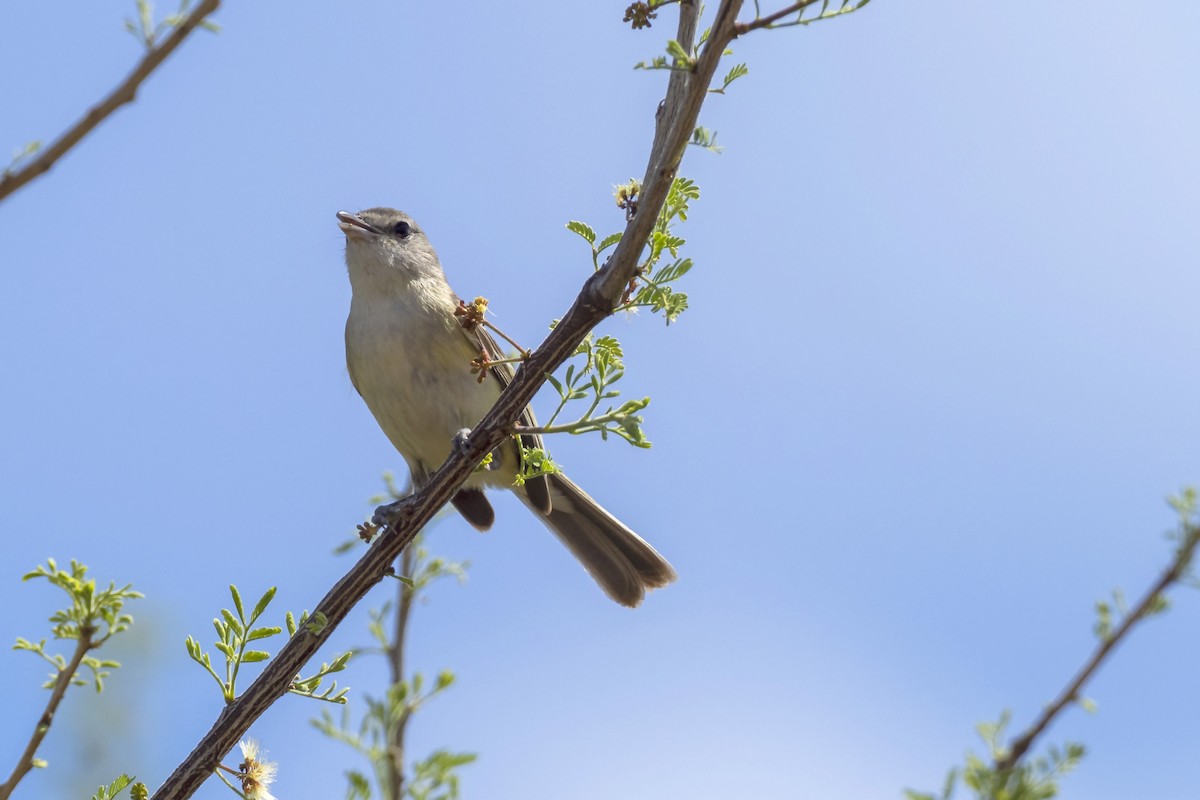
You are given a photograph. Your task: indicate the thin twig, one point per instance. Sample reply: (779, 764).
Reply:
(82, 646)
(1022, 744)
(524, 353)
(767, 21)
(395, 761)
(125, 93)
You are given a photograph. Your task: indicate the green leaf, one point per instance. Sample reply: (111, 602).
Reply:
(608, 241)
(676, 51)
(263, 633)
(263, 602)
(237, 600)
(250, 656)
(232, 621)
(583, 229)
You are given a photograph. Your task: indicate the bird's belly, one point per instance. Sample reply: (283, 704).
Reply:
(420, 396)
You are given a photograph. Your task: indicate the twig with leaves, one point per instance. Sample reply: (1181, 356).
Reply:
(94, 616)
(380, 736)
(1013, 772)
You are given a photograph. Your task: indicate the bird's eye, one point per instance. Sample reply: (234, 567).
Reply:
(402, 229)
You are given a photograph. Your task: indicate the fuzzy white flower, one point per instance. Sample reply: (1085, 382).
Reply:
(256, 774)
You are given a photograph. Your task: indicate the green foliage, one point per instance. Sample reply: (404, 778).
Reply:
(680, 59)
(19, 156)
(735, 72)
(589, 236)
(435, 778)
(703, 137)
(535, 462)
(235, 631)
(373, 734)
(593, 380)
(92, 618)
(385, 718)
(146, 31)
(1104, 624)
(113, 789)
(846, 7)
(652, 288)
(1034, 778)
(1186, 505)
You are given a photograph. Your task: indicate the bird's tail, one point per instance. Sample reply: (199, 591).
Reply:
(623, 563)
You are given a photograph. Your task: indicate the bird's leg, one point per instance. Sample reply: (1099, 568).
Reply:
(460, 441)
(391, 513)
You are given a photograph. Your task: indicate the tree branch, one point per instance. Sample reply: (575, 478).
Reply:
(395, 656)
(123, 94)
(82, 646)
(771, 19)
(1149, 603)
(600, 294)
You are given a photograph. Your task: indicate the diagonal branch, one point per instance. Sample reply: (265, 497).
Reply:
(59, 690)
(599, 296)
(1149, 603)
(123, 94)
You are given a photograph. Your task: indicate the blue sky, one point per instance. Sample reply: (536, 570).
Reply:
(938, 375)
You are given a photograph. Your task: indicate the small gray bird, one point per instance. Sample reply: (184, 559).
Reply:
(410, 359)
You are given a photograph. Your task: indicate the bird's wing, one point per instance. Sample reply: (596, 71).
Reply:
(537, 489)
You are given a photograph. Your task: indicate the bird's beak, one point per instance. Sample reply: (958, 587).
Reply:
(355, 227)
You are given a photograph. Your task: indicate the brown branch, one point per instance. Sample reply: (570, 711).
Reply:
(395, 654)
(82, 646)
(123, 94)
(771, 19)
(599, 296)
(1071, 693)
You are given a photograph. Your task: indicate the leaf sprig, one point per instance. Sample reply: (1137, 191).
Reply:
(235, 632)
(94, 615)
(602, 368)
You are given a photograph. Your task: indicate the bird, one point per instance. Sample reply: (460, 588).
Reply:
(409, 358)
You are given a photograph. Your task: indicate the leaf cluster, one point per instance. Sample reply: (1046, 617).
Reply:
(146, 31)
(1034, 778)
(93, 616)
(235, 632)
(594, 380)
(846, 7)
(653, 288)
(374, 733)
(138, 792)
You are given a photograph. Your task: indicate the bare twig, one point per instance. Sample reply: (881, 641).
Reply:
(125, 93)
(770, 19)
(395, 654)
(1150, 602)
(65, 675)
(600, 294)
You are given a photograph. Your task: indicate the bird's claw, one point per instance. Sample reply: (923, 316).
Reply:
(460, 440)
(392, 512)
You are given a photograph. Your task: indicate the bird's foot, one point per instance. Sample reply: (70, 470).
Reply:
(392, 513)
(460, 440)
